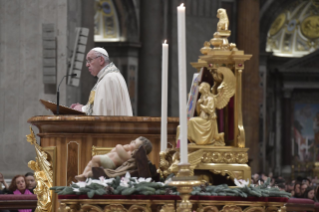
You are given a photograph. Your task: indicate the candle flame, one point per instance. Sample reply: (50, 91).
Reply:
(165, 41)
(182, 5)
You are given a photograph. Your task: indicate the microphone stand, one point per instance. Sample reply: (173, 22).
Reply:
(58, 93)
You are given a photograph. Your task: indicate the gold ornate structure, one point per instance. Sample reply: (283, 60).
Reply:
(225, 63)
(184, 184)
(136, 205)
(43, 174)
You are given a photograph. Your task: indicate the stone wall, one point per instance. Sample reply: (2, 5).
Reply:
(21, 74)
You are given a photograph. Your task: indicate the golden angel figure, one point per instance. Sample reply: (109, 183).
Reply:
(203, 129)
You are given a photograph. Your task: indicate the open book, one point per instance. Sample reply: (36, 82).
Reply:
(63, 110)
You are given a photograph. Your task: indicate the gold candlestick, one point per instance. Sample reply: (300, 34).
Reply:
(184, 183)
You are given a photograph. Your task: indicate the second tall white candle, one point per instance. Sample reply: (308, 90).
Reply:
(164, 96)
(182, 83)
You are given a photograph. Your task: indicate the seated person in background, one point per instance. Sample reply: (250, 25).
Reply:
(30, 181)
(309, 193)
(6, 187)
(116, 157)
(19, 186)
(297, 192)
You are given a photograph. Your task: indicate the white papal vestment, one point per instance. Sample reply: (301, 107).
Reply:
(109, 96)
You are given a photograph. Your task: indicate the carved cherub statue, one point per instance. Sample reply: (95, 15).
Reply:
(116, 157)
(223, 22)
(203, 129)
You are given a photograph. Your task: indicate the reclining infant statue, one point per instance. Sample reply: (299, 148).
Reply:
(116, 157)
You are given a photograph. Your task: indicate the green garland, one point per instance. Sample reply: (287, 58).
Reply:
(129, 186)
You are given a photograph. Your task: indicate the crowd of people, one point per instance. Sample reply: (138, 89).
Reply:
(20, 185)
(301, 187)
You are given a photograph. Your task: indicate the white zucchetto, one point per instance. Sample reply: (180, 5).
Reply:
(101, 50)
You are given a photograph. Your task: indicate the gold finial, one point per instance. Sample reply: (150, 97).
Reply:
(206, 48)
(220, 40)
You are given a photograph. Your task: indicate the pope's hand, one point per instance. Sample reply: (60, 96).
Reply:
(76, 106)
(73, 105)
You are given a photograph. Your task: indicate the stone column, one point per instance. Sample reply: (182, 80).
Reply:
(287, 155)
(278, 129)
(248, 40)
(149, 76)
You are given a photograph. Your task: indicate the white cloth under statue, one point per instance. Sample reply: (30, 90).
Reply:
(109, 96)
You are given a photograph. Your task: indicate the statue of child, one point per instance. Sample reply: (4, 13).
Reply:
(116, 157)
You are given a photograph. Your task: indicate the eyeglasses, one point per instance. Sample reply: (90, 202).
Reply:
(90, 60)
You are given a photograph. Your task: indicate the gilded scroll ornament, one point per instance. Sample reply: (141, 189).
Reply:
(63, 208)
(207, 209)
(231, 208)
(166, 159)
(90, 208)
(272, 209)
(139, 208)
(168, 208)
(115, 208)
(254, 209)
(224, 157)
(43, 174)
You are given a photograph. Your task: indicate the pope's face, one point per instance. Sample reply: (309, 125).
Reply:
(94, 63)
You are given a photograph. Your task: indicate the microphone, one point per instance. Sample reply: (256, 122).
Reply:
(58, 92)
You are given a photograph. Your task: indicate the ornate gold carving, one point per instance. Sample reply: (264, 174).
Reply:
(254, 209)
(91, 208)
(232, 174)
(139, 208)
(168, 208)
(310, 27)
(63, 208)
(208, 209)
(282, 209)
(100, 150)
(272, 209)
(166, 159)
(223, 22)
(277, 24)
(43, 174)
(115, 208)
(224, 157)
(231, 208)
(184, 185)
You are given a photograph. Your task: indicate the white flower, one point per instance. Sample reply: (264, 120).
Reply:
(102, 179)
(125, 180)
(127, 175)
(99, 182)
(109, 180)
(80, 184)
(142, 179)
(241, 183)
(76, 189)
(124, 184)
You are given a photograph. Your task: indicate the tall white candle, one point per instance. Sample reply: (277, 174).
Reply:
(164, 96)
(182, 83)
